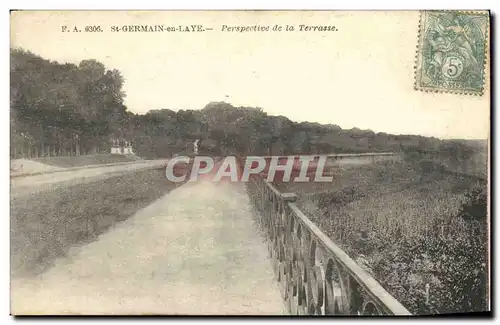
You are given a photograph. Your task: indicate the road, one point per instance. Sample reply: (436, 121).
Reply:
(194, 251)
(24, 185)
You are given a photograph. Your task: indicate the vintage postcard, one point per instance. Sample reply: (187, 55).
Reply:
(249, 162)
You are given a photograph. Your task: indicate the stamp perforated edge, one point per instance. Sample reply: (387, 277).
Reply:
(416, 70)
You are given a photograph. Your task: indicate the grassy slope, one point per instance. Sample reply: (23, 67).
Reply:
(74, 161)
(385, 214)
(45, 225)
(382, 196)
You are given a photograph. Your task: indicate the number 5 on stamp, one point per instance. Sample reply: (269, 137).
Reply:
(452, 52)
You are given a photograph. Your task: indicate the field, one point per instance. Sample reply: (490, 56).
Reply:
(45, 225)
(420, 230)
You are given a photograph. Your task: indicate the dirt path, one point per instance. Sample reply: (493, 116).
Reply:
(194, 251)
(28, 184)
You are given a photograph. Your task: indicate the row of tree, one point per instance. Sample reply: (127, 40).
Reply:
(63, 109)
(67, 109)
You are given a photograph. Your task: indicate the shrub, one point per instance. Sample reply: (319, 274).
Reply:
(475, 204)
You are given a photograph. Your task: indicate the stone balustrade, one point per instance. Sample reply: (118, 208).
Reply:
(316, 277)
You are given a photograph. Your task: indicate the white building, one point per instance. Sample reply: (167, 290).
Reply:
(121, 147)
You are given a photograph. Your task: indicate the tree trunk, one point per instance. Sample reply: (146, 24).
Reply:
(22, 149)
(77, 147)
(59, 139)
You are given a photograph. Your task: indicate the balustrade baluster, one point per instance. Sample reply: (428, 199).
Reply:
(315, 276)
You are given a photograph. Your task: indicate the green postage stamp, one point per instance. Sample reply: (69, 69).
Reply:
(452, 52)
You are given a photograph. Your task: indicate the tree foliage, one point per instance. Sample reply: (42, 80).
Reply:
(68, 109)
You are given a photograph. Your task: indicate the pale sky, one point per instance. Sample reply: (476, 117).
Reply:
(359, 76)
